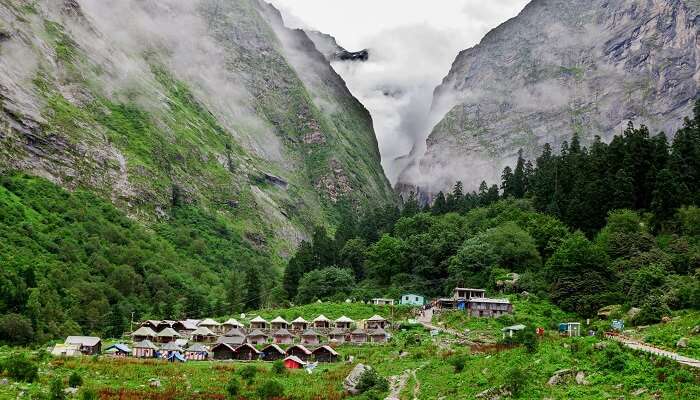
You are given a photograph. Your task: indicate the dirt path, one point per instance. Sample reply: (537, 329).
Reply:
(397, 383)
(637, 345)
(426, 319)
(416, 388)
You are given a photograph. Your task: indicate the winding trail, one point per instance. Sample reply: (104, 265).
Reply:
(641, 346)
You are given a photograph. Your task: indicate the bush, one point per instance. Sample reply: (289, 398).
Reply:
(458, 362)
(248, 372)
(653, 309)
(613, 358)
(270, 390)
(278, 367)
(21, 369)
(233, 388)
(371, 380)
(16, 329)
(683, 376)
(516, 379)
(88, 394)
(75, 380)
(56, 392)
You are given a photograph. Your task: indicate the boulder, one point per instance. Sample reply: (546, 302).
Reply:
(633, 312)
(682, 343)
(666, 320)
(495, 393)
(70, 391)
(607, 311)
(4, 381)
(696, 330)
(600, 345)
(581, 378)
(153, 382)
(639, 392)
(560, 376)
(351, 381)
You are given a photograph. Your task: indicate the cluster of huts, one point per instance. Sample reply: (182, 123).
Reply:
(261, 340)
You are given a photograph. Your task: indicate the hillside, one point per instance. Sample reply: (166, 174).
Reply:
(211, 104)
(559, 68)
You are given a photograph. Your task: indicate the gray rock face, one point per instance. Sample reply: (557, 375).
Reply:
(351, 381)
(561, 66)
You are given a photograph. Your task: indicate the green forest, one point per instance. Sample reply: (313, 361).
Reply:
(587, 226)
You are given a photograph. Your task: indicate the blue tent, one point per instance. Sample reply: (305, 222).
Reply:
(118, 348)
(175, 356)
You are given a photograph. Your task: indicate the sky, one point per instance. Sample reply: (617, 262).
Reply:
(412, 45)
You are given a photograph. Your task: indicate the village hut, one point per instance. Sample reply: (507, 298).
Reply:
(211, 324)
(321, 322)
(258, 323)
(185, 327)
(294, 362)
(299, 351)
(150, 323)
(509, 331)
(89, 345)
(378, 335)
(234, 341)
(256, 337)
(337, 335)
(66, 350)
(272, 353)
(231, 323)
(279, 323)
(167, 335)
(169, 348)
(144, 349)
(118, 350)
(358, 336)
(246, 352)
(325, 354)
(143, 333)
(197, 352)
(203, 335)
(376, 322)
(310, 337)
(343, 322)
(283, 336)
(235, 332)
(223, 351)
(300, 324)
(164, 324)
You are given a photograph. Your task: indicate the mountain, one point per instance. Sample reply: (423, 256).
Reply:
(209, 103)
(163, 159)
(560, 67)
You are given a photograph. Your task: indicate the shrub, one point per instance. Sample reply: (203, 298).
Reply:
(21, 369)
(88, 394)
(613, 358)
(278, 367)
(683, 376)
(516, 379)
(248, 372)
(56, 392)
(458, 362)
(16, 329)
(270, 390)
(233, 388)
(75, 380)
(371, 380)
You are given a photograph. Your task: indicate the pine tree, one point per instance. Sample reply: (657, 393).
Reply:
(667, 197)
(519, 182)
(253, 289)
(440, 204)
(507, 182)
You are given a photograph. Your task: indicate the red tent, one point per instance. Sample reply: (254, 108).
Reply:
(293, 362)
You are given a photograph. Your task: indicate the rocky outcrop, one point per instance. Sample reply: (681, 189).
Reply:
(560, 67)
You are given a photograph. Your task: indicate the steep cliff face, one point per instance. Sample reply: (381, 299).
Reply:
(561, 66)
(209, 103)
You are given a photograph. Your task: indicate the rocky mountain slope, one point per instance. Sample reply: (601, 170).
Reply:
(561, 66)
(209, 103)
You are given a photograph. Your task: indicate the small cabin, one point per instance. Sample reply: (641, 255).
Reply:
(310, 337)
(321, 322)
(299, 351)
(89, 345)
(337, 335)
(168, 335)
(212, 325)
(412, 300)
(279, 323)
(164, 324)
(169, 348)
(358, 336)
(325, 354)
(509, 331)
(235, 332)
(383, 302)
(344, 322)
(223, 351)
(246, 352)
(489, 308)
(144, 349)
(150, 323)
(231, 340)
(259, 323)
(231, 323)
(570, 329)
(376, 322)
(185, 327)
(118, 350)
(197, 352)
(378, 336)
(143, 333)
(294, 362)
(272, 353)
(256, 337)
(300, 324)
(283, 336)
(204, 335)
(66, 350)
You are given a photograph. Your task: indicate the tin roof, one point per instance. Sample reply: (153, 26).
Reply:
(83, 340)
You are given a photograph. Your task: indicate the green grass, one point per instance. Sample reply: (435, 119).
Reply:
(666, 335)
